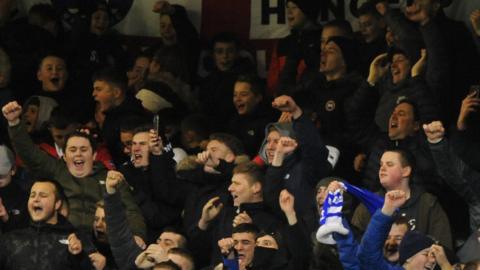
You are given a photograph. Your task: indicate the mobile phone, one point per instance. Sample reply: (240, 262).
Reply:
(475, 88)
(156, 123)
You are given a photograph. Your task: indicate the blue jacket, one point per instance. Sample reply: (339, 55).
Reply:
(370, 254)
(347, 248)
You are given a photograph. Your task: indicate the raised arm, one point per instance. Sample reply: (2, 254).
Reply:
(314, 154)
(120, 235)
(31, 155)
(370, 253)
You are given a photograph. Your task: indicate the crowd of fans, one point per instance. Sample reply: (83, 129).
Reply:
(360, 150)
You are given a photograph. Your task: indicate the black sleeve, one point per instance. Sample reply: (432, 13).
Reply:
(298, 245)
(438, 58)
(272, 187)
(360, 115)
(466, 147)
(120, 236)
(314, 154)
(427, 103)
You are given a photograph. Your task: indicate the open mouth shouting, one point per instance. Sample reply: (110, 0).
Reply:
(37, 212)
(241, 107)
(137, 158)
(393, 123)
(55, 81)
(79, 164)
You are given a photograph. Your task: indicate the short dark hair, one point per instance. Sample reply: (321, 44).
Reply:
(257, 87)
(52, 54)
(225, 37)
(130, 123)
(142, 128)
(406, 157)
(198, 123)
(416, 114)
(252, 170)
(171, 229)
(172, 59)
(184, 253)
(247, 228)
(369, 8)
(112, 76)
(60, 118)
(402, 220)
(80, 134)
(168, 265)
(59, 191)
(343, 25)
(232, 142)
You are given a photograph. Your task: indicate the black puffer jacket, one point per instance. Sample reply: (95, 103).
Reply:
(300, 45)
(150, 189)
(41, 246)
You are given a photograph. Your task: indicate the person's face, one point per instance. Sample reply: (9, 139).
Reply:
(224, 55)
(395, 236)
(423, 260)
(52, 73)
(370, 27)
(429, 7)
(218, 151)
(244, 99)
(391, 171)
(241, 189)
(329, 32)
(295, 17)
(272, 142)
(244, 244)
(30, 116)
(402, 122)
(139, 71)
(105, 95)
(331, 59)
(100, 226)
(181, 261)
(42, 204)
(99, 22)
(321, 195)
(400, 68)
(168, 240)
(79, 156)
(126, 139)
(6, 179)
(167, 30)
(267, 241)
(59, 135)
(140, 149)
(389, 37)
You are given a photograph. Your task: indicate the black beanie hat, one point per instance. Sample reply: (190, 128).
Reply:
(310, 8)
(412, 243)
(350, 51)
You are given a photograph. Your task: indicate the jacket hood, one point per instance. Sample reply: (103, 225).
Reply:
(415, 194)
(285, 130)
(45, 108)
